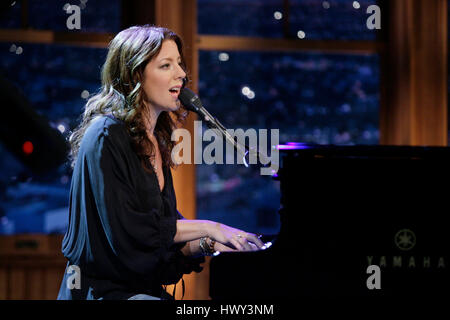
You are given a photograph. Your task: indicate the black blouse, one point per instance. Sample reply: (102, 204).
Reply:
(121, 225)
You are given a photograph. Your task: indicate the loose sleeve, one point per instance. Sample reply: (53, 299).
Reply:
(175, 263)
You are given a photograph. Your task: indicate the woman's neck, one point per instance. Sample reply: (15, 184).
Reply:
(150, 119)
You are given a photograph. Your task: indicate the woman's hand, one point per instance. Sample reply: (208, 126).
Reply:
(223, 248)
(233, 238)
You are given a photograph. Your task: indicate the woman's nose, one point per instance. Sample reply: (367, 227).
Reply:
(180, 72)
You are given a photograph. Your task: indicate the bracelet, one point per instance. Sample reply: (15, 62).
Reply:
(212, 242)
(207, 249)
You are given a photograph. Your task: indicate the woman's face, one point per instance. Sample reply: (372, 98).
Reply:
(163, 78)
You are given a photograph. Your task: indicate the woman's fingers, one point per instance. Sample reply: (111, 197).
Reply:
(236, 244)
(244, 242)
(238, 239)
(250, 242)
(252, 238)
(255, 240)
(223, 248)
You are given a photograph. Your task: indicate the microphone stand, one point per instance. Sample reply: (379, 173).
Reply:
(214, 124)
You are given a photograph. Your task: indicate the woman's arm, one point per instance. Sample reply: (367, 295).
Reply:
(188, 230)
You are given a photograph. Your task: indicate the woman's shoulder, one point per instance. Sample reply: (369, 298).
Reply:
(104, 127)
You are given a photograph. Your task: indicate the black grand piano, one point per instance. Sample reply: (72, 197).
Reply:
(343, 209)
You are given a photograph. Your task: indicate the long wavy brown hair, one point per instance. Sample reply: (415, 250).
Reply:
(122, 94)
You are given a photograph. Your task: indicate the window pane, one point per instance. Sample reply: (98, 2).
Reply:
(331, 19)
(95, 16)
(10, 12)
(313, 98)
(243, 17)
(317, 19)
(56, 80)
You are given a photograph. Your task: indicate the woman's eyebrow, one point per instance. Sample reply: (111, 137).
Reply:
(170, 59)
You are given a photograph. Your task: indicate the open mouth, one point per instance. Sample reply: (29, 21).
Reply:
(175, 92)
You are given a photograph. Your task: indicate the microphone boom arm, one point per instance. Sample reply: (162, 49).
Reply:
(214, 124)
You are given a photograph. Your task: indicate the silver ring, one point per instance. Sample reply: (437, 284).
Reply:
(239, 236)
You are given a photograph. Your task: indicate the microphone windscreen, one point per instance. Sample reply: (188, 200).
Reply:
(189, 99)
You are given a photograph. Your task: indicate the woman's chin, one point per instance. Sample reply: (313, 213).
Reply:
(176, 106)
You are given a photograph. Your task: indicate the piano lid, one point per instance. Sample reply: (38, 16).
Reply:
(309, 150)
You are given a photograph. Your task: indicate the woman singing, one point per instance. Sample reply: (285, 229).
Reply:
(125, 236)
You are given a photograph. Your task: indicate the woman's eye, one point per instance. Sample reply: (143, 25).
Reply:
(167, 65)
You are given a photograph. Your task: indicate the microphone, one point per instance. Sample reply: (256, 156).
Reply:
(192, 102)
(189, 99)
